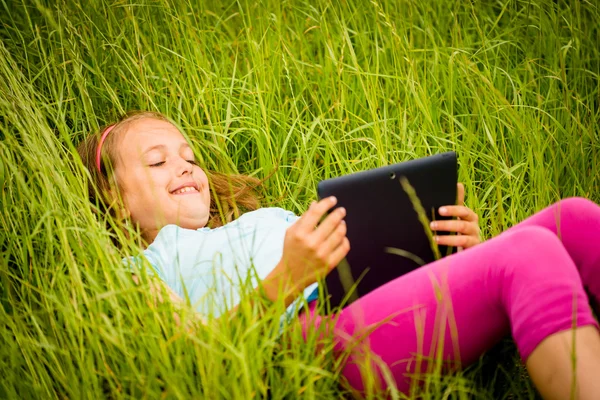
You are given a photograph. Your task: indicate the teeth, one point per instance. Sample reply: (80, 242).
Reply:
(186, 189)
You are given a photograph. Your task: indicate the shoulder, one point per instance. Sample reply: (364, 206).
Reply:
(170, 237)
(165, 245)
(171, 234)
(274, 213)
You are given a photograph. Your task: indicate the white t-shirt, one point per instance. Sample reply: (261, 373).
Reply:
(211, 265)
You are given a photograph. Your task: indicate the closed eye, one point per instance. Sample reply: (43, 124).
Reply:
(158, 164)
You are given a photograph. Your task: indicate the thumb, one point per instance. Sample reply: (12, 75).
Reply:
(460, 194)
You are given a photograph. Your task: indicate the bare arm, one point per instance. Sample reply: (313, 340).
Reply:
(271, 290)
(157, 288)
(159, 291)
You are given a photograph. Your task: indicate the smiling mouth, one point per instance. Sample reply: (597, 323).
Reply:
(186, 190)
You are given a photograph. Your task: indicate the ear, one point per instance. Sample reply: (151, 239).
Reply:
(123, 214)
(117, 204)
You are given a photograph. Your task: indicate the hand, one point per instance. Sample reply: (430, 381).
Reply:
(466, 225)
(310, 253)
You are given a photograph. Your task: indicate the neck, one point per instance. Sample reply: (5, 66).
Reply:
(149, 236)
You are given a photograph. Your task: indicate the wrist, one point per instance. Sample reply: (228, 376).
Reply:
(279, 284)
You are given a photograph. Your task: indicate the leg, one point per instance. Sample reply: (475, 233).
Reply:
(460, 306)
(576, 221)
(551, 364)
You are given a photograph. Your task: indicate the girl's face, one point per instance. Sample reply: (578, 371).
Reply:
(158, 178)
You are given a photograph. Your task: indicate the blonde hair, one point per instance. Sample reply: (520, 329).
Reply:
(231, 194)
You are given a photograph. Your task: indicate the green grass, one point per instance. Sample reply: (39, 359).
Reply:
(300, 90)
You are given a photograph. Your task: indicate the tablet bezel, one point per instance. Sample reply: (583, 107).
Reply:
(377, 207)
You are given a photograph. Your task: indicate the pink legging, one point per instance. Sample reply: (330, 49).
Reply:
(529, 281)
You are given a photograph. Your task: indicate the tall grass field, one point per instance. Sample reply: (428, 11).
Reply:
(289, 90)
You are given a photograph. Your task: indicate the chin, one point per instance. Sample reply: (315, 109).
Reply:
(195, 223)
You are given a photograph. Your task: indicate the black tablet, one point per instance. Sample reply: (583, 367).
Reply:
(387, 238)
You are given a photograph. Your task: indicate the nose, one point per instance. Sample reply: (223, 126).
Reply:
(183, 167)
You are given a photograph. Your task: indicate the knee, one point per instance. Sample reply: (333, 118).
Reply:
(532, 239)
(530, 252)
(525, 256)
(578, 205)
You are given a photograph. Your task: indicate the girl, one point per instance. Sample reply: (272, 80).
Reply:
(529, 281)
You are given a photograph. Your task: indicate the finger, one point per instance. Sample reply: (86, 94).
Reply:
(461, 212)
(330, 224)
(460, 194)
(464, 241)
(458, 226)
(339, 253)
(335, 238)
(315, 212)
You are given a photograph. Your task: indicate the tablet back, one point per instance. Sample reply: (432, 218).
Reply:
(381, 219)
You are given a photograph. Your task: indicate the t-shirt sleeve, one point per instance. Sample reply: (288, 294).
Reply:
(136, 263)
(291, 217)
(286, 215)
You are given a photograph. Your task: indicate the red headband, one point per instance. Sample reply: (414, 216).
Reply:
(99, 148)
